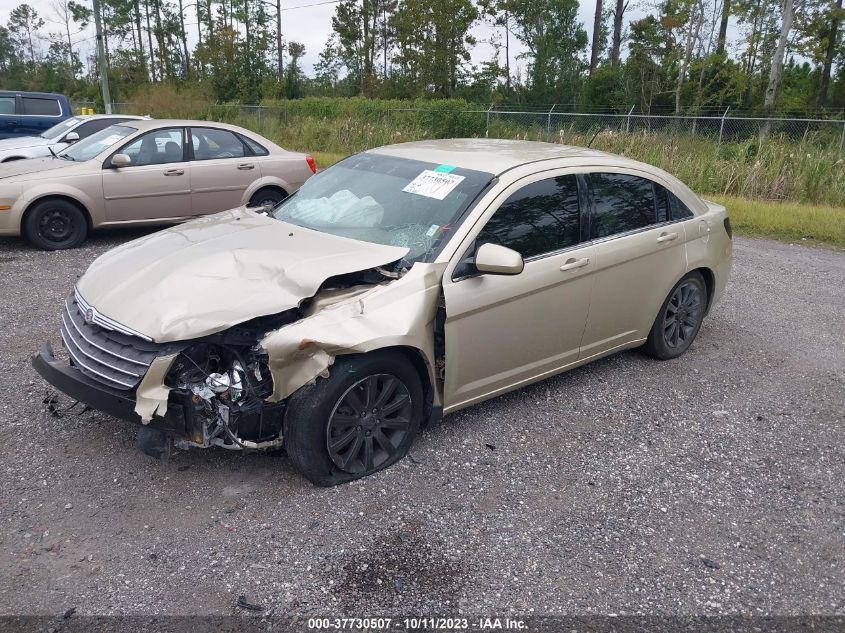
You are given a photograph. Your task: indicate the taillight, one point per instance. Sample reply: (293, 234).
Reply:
(311, 164)
(728, 228)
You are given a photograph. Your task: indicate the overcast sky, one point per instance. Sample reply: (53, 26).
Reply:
(311, 26)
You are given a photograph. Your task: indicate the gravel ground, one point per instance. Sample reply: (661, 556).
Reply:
(710, 484)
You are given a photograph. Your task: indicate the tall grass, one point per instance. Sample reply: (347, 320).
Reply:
(789, 221)
(806, 169)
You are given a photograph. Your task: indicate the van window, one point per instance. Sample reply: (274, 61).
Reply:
(7, 105)
(41, 107)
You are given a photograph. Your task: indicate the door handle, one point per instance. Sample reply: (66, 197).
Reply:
(246, 166)
(174, 172)
(667, 237)
(572, 263)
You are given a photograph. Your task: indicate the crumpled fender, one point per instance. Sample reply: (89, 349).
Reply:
(400, 313)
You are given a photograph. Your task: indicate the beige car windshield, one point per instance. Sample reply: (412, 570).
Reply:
(386, 200)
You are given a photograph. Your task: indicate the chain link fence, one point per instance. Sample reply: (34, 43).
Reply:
(551, 125)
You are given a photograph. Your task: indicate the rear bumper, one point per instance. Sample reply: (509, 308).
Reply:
(179, 419)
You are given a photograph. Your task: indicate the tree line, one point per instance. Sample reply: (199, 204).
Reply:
(683, 56)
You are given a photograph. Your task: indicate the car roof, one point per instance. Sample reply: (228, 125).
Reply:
(32, 94)
(499, 155)
(110, 116)
(143, 125)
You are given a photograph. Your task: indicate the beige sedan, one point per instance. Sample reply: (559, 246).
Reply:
(144, 172)
(399, 285)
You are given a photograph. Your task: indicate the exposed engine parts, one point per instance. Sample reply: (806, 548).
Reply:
(228, 385)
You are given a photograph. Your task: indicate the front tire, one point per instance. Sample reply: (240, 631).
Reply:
(358, 421)
(679, 320)
(56, 224)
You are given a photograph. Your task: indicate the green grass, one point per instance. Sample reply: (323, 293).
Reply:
(787, 221)
(786, 188)
(808, 168)
(325, 159)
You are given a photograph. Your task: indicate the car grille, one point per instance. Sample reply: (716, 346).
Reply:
(112, 358)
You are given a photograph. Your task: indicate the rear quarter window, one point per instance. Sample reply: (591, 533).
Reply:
(41, 107)
(677, 209)
(255, 148)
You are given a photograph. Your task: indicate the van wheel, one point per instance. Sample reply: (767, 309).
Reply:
(266, 199)
(358, 421)
(679, 320)
(55, 225)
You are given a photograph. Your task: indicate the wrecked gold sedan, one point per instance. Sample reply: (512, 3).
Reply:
(401, 284)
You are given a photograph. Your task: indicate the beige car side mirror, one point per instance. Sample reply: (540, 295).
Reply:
(498, 260)
(120, 160)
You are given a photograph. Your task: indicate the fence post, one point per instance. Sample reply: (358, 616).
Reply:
(628, 121)
(549, 123)
(487, 128)
(722, 126)
(842, 140)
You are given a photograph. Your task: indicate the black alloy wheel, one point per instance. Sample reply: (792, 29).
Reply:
(369, 423)
(679, 320)
(683, 315)
(359, 420)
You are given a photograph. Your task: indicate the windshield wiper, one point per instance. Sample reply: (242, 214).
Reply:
(64, 156)
(52, 152)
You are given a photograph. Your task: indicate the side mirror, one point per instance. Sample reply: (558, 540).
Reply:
(498, 260)
(71, 137)
(120, 160)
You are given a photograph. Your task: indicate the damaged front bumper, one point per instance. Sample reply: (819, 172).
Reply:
(247, 424)
(179, 420)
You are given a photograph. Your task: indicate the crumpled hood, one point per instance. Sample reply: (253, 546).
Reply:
(34, 166)
(211, 273)
(21, 142)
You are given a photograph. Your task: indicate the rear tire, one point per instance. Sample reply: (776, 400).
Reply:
(266, 199)
(361, 419)
(55, 224)
(679, 320)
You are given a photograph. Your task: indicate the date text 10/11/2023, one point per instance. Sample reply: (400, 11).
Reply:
(418, 623)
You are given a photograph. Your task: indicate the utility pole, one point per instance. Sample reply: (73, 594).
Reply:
(101, 57)
(279, 50)
(507, 51)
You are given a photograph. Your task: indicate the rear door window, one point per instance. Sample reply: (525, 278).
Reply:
(210, 143)
(621, 203)
(540, 218)
(41, 106)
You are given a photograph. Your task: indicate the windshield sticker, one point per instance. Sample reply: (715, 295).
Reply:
(432, 184)
(432, 230)
(444, 169)
(110, 140)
